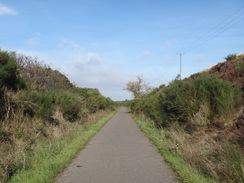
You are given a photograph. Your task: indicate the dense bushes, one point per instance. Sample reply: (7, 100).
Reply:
(8, 71)
(149, 105)
(199, 102)
(196, 103)
(195, 120)
(8, 80)
(94, 101)
(73, 106)
(42, 91)
(39, 104)
(70, 105)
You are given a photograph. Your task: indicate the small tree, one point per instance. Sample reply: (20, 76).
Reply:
(138, 88)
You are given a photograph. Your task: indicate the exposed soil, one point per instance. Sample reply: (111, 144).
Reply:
(228, 71)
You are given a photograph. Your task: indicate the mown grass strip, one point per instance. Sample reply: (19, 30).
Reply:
(46, 164)
(183, 171)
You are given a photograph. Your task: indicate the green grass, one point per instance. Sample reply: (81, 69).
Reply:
(57, 155)
(160, 139)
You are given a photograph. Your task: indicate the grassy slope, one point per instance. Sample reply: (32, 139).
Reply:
(46, 164)
(197, 124)
(40, 110)
(169, 151)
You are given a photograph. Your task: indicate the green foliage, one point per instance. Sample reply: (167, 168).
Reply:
(93, 100)
(43, 103)
(70, 105)
(231, 57)
(48, 90)
(149, 105)
(190, 111)
(74, 105)
(205, 96)
(8, 71)
(31, 105)
(201, 101)
(9, 80)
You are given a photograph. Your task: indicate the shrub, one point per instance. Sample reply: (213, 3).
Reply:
(231, 57)
(150, 106)
(70, 105)
(8, 71)
(41, 103)
(174, 103)
(206, 96)
(93, 100)
(46, 108)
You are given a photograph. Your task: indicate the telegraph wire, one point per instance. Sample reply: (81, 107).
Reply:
(173, 58)
(213, 32)
(218, 29)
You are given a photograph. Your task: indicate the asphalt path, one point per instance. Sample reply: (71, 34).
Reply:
(119, 153)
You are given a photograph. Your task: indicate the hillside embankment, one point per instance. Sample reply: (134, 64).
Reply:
(40, 106)
(201, 120)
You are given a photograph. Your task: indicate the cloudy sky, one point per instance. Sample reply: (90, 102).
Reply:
(106, 43)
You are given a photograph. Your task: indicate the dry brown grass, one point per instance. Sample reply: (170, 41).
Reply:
(212, 154)
(22, 136)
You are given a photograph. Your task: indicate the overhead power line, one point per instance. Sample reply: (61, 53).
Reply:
(229, 22)
(226, 24)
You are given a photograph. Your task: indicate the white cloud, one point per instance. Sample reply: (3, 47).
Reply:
(87, 69)
(32, 41)
(169, 43)
(69, 43)
(199, 58)
(147, 53)
(4, 10)
(91, 71)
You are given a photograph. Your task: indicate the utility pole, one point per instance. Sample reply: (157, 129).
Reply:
(180, 63)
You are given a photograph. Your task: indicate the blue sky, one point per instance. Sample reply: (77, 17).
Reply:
(104, 44)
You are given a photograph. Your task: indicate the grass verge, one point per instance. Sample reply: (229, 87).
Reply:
(56, 155)
(169, 151)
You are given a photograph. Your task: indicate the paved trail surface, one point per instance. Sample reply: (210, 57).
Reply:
(119, 153)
